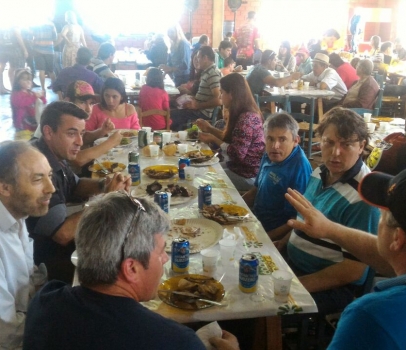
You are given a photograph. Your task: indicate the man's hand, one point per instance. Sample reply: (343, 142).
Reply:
(118, 182)
(203, 125)
(296, 75)
(115, 138)
(227, 342)
(107, 126)
(192, 104)
(315, 224)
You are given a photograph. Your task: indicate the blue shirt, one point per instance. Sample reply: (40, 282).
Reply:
(376, 321)
(180, 58)
(341, 203)
(273, 180)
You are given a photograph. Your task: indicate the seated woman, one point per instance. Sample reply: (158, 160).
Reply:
(287, 62)
(243, 139)
(347, 72)
(364, 92)
(113, 105)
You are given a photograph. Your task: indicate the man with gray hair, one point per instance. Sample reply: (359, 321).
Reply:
(283, 165)
(121, 253)
(25, 189)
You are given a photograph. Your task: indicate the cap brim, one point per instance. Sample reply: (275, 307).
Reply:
(373, 189)
(86, 97)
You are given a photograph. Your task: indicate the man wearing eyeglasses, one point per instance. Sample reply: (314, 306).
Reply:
(121, 255)
(63, 126)
(328, 272)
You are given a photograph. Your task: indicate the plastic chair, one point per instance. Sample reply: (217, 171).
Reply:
(306, 124)
(165, 113)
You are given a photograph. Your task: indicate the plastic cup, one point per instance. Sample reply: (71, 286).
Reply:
(371, 127)
(154, 150)
(306, 84)
(190, 173)
(182, 148)
(182, 135)
(281, 74)
(281, 285)
(367, 117)
(227, 249)
(209, 261)
(166, 137)
(383, 126)
(149, 132)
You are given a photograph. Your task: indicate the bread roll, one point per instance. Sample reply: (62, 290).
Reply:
(169, 150)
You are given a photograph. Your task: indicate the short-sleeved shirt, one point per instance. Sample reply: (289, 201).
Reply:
(331, 78)
(180, 58)
(154, 98)
(43, 228)
(44, 36)
(210, 79)
(255, 79)
(100, 68)
(273, 181)
(341, 203)
(306, 67)
(348, 74)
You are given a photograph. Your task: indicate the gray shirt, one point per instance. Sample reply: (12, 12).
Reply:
(331, 78)
(210, 79)
(255, 79)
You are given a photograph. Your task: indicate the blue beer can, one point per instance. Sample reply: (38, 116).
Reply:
(180, 255)
(204, 195)
(248, 273)
(183, 162)
(161, 198)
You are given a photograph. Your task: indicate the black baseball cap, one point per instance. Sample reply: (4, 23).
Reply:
(386, 192)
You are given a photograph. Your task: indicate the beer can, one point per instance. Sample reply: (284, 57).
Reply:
(180, 255)
(157, 138)
(204, 195)
(161, 198)
(183, 162)
(135, 172)
(248, 276)
(142, 138)
(133, 157)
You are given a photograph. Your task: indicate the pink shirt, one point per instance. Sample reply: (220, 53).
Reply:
(154, 98)
(98, 117)
(348, 74)
(23, 106)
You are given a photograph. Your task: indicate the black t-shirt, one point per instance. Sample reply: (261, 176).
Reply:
(63, 317)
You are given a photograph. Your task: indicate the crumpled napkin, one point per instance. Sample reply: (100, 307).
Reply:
(236, 234)
(208, 331)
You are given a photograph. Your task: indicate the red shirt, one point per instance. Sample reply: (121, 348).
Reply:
(348, 74)
(154, 98)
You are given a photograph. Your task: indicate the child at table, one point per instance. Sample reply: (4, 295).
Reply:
(154, 96)
(23, 101)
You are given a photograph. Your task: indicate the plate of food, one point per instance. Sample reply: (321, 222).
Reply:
(125, 141)
(200, 286)
(131, 133)
(161, 172)
(201, 233)
(111, 167)
(181, 193)
(193, 133)
(225, 214)
(382, 119)
(199, 156)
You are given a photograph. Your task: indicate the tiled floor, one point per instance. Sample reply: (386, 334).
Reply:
(7, 131)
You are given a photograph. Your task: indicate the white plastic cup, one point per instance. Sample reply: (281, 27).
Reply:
(306, 85)
(149, 132)
(182, 135)
(371, 127)
(367, 117)
(166, 137)
(190, 173)
(154, 150)
(281, 285)
(209, 261)
(227, 249)
(182, 148)
(383, 126)
(281, 74)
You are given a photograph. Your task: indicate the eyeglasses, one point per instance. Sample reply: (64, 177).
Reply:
(139, 207)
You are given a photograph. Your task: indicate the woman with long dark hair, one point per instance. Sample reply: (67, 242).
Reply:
(243, 138)
(287, 60)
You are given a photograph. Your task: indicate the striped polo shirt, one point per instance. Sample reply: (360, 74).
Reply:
(341, 203)
(210, 79)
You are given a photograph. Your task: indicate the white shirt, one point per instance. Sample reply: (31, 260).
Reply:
(331, 78)
(16, 286)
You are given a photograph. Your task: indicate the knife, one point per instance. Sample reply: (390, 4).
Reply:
(193, 296)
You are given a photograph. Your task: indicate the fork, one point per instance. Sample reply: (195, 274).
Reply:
(103, 169)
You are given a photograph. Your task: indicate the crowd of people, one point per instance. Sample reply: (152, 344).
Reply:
(338, 234)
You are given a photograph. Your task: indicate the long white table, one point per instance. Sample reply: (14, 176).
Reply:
(255, 240)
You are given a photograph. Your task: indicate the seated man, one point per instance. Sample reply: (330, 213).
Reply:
(100, 64)
(77, 72)
(283, 166)
(62, 127)
(375, 321)
(325, 78)
(304, 61)
(25, 189)
(223, 52)
(329, 273)
(260, 76)
(364, 92)
(207, 96)
(121, 256)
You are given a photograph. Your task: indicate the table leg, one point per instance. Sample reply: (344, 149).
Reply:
(268, 333)
(320, 108)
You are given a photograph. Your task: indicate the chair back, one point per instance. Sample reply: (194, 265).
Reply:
(379, 79)
(165, 113)
(377, 106)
